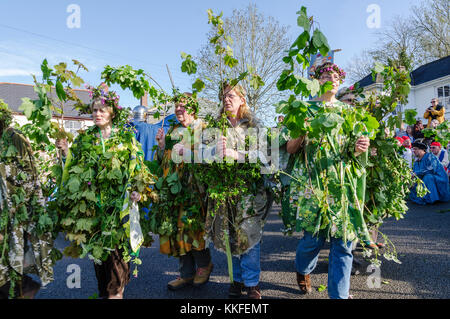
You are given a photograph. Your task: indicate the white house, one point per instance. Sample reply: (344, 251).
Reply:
(428, 81)
(12, 94)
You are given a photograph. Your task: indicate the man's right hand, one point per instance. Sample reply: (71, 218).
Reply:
(160, 138)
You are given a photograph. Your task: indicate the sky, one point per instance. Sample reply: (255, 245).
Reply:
(150, 34)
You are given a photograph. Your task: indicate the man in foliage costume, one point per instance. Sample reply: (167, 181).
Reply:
(326, 193)
(104, 177)
(179, 217)
(26, 243)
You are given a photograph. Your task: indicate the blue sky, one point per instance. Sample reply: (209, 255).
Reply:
(150, 34)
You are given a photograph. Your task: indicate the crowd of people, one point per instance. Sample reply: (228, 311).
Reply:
(427, 157)
(236, 226)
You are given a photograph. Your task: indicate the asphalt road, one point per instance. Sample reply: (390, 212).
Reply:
(421, 239)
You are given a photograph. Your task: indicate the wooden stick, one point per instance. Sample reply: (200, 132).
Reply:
(173, 86)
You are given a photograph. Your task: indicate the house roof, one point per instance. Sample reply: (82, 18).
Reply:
(12, 94)
(425, 73)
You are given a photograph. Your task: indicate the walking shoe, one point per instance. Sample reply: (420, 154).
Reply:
(235, 290)
(179, 283)
(253, 292)
(202, 275)
(304, 282)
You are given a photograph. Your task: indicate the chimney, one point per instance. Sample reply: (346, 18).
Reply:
(144, 100)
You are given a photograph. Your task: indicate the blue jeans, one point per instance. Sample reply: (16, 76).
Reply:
(247, 267)
(339, 262)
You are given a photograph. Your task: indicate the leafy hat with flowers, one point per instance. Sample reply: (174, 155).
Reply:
(327, 67)
(106, 97)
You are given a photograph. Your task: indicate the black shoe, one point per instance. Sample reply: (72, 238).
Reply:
(236, 289)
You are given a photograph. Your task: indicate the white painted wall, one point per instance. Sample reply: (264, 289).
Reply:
(421, 96)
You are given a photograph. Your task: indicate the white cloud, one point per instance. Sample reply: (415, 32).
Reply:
(18, 72)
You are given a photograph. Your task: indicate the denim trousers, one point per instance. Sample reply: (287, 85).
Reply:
(339, 262)
(192, 260)
(247, 267)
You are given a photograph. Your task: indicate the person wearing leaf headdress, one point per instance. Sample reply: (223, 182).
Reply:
(103, 181)
(325, 197)
(180, 219)
(25, 242)
(235, 223)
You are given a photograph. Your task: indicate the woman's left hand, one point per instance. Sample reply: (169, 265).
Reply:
(362, 145)
(135, 196)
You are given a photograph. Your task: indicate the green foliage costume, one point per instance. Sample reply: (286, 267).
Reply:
(26, 239)
(179, 216)
(327, 187)
(96, 212)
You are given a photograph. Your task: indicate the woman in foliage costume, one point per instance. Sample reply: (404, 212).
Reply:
(326, 193)
(104, 177)
(179, 216)
(26, 238)
(238, 219)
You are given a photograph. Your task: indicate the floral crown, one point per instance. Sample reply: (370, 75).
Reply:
(329, 67)
(107, 98)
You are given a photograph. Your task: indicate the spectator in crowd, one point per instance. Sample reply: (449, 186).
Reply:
(409, 132)
(440, 153)
(407, 153)
(428, 168)
(434, 124)
(401, 131)
(417, 131)
(435, 111)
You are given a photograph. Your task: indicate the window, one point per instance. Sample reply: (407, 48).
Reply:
(72, 126)
(443, 94)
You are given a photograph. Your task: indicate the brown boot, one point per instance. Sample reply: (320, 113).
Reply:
(253, 292)
(202, 275)
(179, 283)
(304, 282)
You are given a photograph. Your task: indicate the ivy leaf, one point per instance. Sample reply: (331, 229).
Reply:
(256, 82)
(46, 71)
(188, 65)
(198, 85)
(74, 185)
(230, 61)
(90, 195)
(84, 224)
(45, 221)
(303, 21)
(76, 170)
(27, 107)
(97, 252)
(60, 91)
(176, 188)
(410, 117)
(321, 42)
(67, 221)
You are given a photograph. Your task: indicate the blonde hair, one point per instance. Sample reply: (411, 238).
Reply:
(244, 110)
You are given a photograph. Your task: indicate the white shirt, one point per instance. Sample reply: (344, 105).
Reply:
(407, 156)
